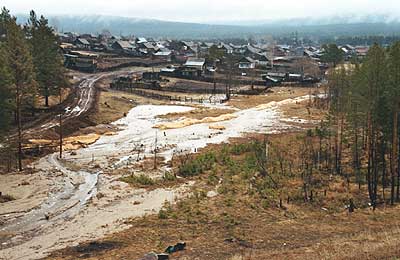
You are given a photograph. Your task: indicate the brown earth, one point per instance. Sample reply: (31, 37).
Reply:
(236, 224)
(199, 113)
(275, 94)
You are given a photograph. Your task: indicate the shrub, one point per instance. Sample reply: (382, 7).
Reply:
(141, 179)
(162, 214)
(168, 176)
(6, 198)
(239, 149)
(198, 165)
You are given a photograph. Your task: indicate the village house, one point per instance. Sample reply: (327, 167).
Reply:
(226, 48)
(147, 48)
(123, 47)
(195, 63)
(262, 59)
(163, 54)
(251, 51)
(193, 67)
(82, 43)
(361, 51)
(81, 60)
(247, 63)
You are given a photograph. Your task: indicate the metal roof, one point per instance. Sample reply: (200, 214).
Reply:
(195, 62)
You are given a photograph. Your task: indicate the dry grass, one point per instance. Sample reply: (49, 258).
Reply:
(277, 94)
(303, 110)
(113, 105)
(53, 100)
(244, 223)
(239, 224)
(198, 113)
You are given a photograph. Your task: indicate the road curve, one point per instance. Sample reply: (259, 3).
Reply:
(74, 188)
(86, 97)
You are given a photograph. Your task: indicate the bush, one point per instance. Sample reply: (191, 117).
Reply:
(165, 211)
(168, 176)
(162, 214)
(6, 198)
(239, 149)
(197, 166)
(141, 179)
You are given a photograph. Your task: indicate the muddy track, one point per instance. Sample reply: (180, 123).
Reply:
(60, 206)
(71, 190)
(85, 95)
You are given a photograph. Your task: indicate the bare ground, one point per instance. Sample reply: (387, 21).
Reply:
(235, 225)
(107, 212)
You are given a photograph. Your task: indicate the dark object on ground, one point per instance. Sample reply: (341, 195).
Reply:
(178, 247)
(162, 257)
(352, 207)
(154, 256)
(94, 247)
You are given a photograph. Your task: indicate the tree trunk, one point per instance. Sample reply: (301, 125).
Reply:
(383, 153)
(393, 162)
(19, 123)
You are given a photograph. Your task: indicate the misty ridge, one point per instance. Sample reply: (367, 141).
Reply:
(348, 25)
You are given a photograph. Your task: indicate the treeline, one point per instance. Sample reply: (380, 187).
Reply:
(364, 104)
(30, 67)
(363, 40)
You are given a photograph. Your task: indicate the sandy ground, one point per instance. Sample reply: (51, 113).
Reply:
(82, 194)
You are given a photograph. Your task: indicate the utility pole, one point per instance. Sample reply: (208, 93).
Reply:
(19, 122)
(155, 152)
(61, 135)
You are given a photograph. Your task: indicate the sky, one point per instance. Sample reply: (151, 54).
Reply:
(206, 11)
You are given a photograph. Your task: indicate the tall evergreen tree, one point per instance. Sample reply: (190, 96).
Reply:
(46, 56)
(5, 17)
(332, 54)
(5, 93)
(394, 92)
(22, 76)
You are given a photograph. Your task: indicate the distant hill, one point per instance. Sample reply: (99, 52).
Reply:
(326, 27)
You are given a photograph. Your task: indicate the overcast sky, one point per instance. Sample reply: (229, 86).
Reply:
(207, 10)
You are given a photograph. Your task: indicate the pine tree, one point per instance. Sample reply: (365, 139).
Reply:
(46, 56)
(394, 83)
(5, 17)
(5, 93)
(332, 54)
(22, 75)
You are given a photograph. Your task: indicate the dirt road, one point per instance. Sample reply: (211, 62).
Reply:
(69, 190)
(84, 101)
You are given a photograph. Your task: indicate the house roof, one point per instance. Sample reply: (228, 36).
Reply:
(141, 40)
(148, 45)
(235, 46)
(167, 70)
(283, 59)
(276, 74)
(83, 41)
(189, 44)
(124, 44)
(195, 62)
(226, 46)
(163, 53)
(271, 79)
(262, 57)
(253, 49)
(247, 60)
